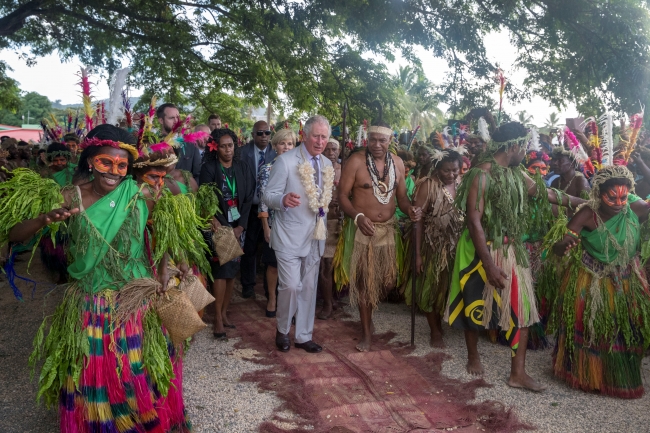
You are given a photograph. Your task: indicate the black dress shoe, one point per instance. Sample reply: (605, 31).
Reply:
(309, 346)
(248, 293)
(282, 341)
(219, 335)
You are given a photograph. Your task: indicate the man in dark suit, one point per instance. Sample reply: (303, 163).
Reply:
(255, 154)
(189, 157)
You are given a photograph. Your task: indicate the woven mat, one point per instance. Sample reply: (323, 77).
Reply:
(342, 390)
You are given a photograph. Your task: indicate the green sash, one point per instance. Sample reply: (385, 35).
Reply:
(107, 240)
(64, 177)
(599, 243)
(184, 189)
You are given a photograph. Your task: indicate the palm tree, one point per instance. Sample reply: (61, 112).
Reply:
(524, 118)
(418, 101)
(552, 121)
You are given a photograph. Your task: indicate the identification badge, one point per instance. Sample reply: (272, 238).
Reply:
(234, 214)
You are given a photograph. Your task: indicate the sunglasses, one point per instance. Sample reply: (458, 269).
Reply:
(260, 133)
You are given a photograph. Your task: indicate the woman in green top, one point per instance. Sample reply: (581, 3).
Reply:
(601, 315)
(108, 363)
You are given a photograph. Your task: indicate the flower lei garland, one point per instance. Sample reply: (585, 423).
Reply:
(311, 189)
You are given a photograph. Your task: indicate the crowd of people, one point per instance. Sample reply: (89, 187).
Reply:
(495, 229)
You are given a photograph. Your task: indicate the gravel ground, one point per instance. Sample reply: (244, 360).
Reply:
(558, 409)
(218, 402)
(214, 397)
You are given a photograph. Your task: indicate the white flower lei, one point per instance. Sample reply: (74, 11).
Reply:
(320, 206)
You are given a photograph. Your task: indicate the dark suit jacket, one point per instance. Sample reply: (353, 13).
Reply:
(248, 154)
(189, 159)
(211, 173)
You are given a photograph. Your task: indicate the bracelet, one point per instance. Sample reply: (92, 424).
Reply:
(572, 234)
(356, 217)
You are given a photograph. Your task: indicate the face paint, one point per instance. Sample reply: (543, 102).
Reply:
(543, 169)
(104, 163)
(616, 196)
(154, 178)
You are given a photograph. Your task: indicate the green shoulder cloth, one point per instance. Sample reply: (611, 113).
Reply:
(64, 177)
(107, 240)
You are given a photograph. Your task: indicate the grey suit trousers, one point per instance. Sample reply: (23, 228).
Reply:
(297, 283)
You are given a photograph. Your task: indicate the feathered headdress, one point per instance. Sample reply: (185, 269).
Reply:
(86, 99)
(483, 129)
(636, 122)
(115, 101)
(607, 143)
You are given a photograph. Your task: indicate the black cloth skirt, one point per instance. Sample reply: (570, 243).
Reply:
(268, 255)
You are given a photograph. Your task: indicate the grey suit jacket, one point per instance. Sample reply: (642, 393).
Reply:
(293, 229)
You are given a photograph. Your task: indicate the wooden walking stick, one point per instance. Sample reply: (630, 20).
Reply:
(414, 277)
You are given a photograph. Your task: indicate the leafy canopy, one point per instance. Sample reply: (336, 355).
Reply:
(313, 55)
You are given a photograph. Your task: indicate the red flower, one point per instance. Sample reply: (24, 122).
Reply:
(212, 146)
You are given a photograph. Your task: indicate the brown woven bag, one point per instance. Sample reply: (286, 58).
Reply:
(178, 315)
(196, 292)
(226, 245)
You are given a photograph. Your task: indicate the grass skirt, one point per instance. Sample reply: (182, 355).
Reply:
(432, 285)
(109, 386)
(603, 326)
(476, 305)
(373, 264)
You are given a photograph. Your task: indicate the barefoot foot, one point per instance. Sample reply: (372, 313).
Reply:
(436, 340)
(364, 344)
(526, 382)
(325, 313)
(474, 366)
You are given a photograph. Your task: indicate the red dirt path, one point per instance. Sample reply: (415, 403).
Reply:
(342, 390)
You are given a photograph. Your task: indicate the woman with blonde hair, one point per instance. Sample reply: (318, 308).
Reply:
(282, 141)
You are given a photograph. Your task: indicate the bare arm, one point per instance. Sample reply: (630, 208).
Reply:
(641, 208)
(566, 200)
(24, 231)
(577, 223)
(348, 176)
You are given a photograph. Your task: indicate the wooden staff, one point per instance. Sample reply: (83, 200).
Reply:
(414, 277)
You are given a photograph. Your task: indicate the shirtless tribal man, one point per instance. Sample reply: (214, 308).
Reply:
(492, 286)
(369, 184)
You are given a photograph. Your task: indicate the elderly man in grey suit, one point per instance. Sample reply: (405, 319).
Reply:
(297, 231)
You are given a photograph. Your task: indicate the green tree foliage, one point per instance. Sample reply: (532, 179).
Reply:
(9, 91)
(317, 54)
(32, 104)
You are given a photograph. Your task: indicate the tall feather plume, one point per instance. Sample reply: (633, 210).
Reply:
(141, 129)
(534, 145)
(636, 121)
(483, 129)
(575, 147)
(151, 112)
(126, 105)
(607, 142)
(115, 100)
(86, 99)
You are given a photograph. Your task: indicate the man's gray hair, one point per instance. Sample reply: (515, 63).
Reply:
(314, 120)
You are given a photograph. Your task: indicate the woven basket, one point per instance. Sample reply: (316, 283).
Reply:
(178, 315)
(226, 245)
(196, 292)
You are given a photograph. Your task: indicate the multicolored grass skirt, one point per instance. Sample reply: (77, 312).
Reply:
(115, 393)
(607, 360)
(476, 305)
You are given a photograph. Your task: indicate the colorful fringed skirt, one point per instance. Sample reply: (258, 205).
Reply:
(474, 304)
(603, 328)
(129, 378)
